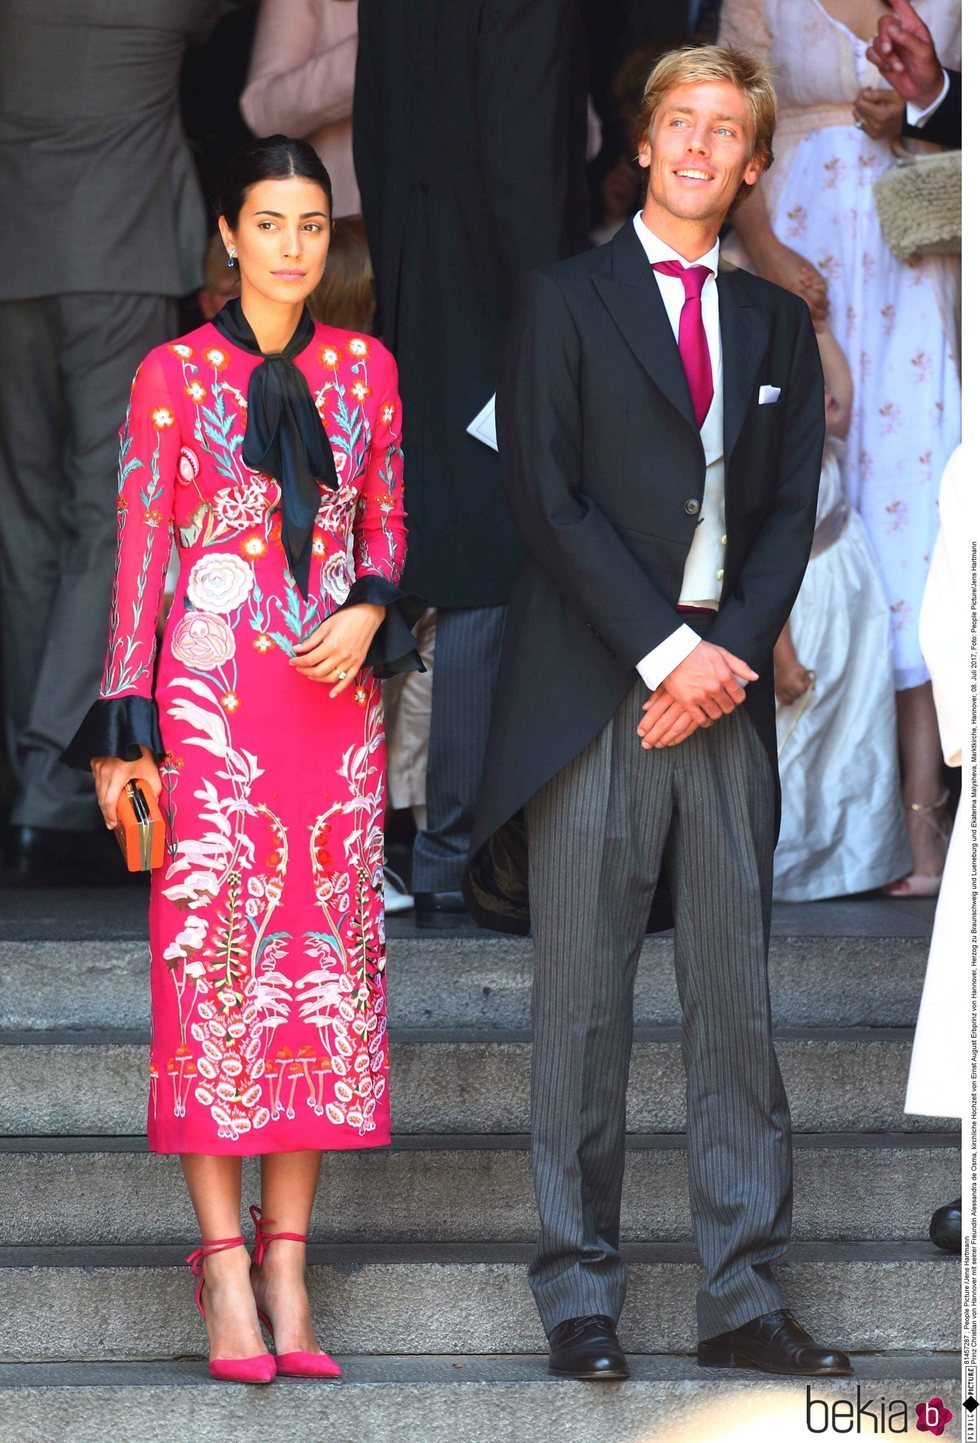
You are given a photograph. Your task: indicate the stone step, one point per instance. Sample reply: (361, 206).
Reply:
(822, 981)
(129, 1303)
(77, 914)
(847, 1080)
(466, 1189)
(446, 1399)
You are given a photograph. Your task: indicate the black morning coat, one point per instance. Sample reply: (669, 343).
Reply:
(469, 143)
(604, 469)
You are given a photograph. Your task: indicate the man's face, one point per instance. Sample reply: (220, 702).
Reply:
(699, 151)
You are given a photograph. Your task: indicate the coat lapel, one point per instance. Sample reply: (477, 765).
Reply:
(632, 297)
(744, 336)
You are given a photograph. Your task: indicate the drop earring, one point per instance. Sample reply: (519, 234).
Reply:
(232, 253)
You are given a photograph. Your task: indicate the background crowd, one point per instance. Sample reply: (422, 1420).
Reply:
(453, 171)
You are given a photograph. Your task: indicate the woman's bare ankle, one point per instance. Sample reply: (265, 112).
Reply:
(229, 1307)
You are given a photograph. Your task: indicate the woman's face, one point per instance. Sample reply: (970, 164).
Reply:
(282, 238)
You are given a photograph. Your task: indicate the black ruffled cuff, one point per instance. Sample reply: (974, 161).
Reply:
(116, 727)
(393, 648)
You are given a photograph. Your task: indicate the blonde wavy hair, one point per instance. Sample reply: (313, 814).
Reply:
(693, 64)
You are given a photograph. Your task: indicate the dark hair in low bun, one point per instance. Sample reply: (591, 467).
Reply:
(274, 157)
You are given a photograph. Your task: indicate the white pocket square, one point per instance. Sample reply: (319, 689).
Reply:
(768, 394)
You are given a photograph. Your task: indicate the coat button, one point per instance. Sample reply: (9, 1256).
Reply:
(692, 507)
(720, 575)
(724, 541)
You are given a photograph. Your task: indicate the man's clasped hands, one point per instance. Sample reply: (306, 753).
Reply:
(708, 684)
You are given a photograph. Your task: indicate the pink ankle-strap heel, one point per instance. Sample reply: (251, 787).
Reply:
(258, 1369)
(297, 1364)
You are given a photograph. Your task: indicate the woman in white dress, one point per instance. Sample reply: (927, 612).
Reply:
(938, 1076)
(841, 826)
(812, 226)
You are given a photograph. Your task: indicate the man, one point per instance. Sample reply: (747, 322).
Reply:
(905, 53)
(661, 428)
(469, 144)
(102, 227)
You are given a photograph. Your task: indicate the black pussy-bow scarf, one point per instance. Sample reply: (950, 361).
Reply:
(284, 436)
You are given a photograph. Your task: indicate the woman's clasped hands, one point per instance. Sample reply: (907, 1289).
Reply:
(785, 267)
(336, 650)
(879, 113)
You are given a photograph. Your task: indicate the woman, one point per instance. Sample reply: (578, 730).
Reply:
(269, 445)
(841, 829)
(938, 1071)
(301, 79)
(838, 122)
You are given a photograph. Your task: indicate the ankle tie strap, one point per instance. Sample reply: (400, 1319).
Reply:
(208, 1246)
(196, 1262)
(263, 1237)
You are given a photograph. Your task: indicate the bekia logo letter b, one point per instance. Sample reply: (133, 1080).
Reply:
(933, 1417)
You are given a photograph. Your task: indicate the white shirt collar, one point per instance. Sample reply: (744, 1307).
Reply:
(658, 250)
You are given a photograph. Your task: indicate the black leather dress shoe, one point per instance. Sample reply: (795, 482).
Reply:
(946, 1228)
(50, 857)
(774, 1343)
(440, 909)
(587, 1348)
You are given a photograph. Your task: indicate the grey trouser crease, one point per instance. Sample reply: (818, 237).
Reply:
(68, 364)
(464, 669)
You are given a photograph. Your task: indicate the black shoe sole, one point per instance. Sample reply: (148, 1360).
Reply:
(727, 1358)
(607, 1375)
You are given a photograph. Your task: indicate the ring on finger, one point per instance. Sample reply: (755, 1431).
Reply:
(341, 673)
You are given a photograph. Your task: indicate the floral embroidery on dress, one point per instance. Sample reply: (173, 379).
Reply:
(220, 582)
(202, 641)
(267, 918)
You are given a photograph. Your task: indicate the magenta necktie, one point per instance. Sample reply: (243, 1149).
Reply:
(691, 338)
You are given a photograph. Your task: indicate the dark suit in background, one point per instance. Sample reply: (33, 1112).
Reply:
(605, 470)
(469, 143)
(212, 80)
(945, 125)
(101, 226)
(615, 28)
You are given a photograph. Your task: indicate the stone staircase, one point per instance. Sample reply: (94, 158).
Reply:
(418, 1268)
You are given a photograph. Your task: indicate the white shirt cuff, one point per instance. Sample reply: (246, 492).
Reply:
(660, 662)
(918, 117)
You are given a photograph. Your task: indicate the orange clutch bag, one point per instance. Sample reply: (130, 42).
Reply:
(139, 827)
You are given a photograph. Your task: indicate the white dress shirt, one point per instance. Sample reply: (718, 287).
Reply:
(918, 117)
(704, 569)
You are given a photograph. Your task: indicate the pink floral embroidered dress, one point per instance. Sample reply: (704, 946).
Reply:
(267, 918)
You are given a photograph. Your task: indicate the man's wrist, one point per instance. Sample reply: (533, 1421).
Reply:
(917, 112)
(663, 659)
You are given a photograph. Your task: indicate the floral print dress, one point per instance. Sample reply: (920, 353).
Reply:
(267, 917)
(894, 320)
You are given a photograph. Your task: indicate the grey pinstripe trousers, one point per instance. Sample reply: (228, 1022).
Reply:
(597, 833)
(59, 440)
(464, 669)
